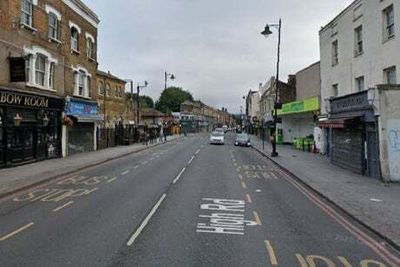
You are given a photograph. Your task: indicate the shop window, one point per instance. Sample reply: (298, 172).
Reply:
(40, 69)
(27, 13)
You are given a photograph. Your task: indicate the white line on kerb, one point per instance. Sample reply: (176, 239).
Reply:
(178, 176)
(146, 221)
(125, 172)
(190, 161)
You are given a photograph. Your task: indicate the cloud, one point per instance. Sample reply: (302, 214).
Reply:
(213, 47)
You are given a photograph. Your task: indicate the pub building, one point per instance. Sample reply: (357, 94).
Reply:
(30, 127)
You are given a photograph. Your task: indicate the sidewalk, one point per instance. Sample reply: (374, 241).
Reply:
(25, 176)
(370, 201)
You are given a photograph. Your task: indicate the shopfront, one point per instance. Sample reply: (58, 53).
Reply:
(81, 131)
(30, 127)
(353, 133)
(298, 120)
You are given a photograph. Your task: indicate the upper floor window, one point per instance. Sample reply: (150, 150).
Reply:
(53, 26)
(90, 46)
(358, 49)
(390, 75)
(388, 20)
(40, 68)
(360, 83)
(27, 12)
(335, 89)
(108, 89)
(82, 83)
(335, 53)
(74, 39)
(101, 88)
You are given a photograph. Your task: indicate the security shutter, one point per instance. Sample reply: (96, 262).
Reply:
(80, 138)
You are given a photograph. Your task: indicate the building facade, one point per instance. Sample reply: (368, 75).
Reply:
(48, 56)
(358, 52)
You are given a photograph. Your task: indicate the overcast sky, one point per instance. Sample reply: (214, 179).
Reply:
(213, 47)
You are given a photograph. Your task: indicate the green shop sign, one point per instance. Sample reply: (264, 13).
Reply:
(307, 105)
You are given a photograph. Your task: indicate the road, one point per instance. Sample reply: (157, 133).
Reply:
(183, 203)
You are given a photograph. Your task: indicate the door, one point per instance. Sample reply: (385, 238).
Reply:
(20, 145)
(372, 153)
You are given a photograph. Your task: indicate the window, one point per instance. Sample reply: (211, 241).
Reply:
(90, 48)
(89, 84)
(358, 41)
(40, 69)
(101, 88)
(26, 12)
(53, 26)
(335, 90)
(27, 67)
(51, 75)
(335, 56)
(108, 90)
(388, 20)
(74, 39)
(82, 83)
(390, 75)
(360, 83)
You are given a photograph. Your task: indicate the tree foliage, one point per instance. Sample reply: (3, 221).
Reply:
(144, 100)
(172, 98)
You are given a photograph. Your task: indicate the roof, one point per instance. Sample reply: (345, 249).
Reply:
(151, 112)
(344, 11)
(109, 75)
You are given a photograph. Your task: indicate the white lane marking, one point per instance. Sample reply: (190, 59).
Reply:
(125, 172)
(63, 206)
(146, 221)
(376, 200)
(112, 180)
(137, 166)
(23, 228)
(145, 162)
(179, 176)
(191, 159)
(197, 151)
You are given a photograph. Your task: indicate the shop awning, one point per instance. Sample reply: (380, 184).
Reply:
(336, 123)
(88, 118)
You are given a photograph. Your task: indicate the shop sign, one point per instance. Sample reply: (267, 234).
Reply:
(11, 98)
(307, 105)
(350, 102)
(17, 69)
(80, 108)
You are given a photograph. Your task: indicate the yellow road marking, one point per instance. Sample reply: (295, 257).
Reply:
(344, 261)
(112, 180)
(249, 198)
(301, 260)
(257, 218)
(271, 253)
(63, 206)
(244, 185)
(13, 233)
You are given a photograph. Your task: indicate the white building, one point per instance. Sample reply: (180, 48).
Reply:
(359, 50)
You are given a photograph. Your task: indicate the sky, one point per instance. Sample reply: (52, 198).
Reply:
(213, 47)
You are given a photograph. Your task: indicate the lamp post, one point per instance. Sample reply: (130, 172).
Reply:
(138, 87)
(166, 76)
(131, 82)
(277, 105)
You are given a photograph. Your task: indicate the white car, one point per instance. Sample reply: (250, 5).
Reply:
(217, 138)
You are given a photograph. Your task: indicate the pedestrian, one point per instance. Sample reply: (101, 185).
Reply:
(165, 133)
(160, 133)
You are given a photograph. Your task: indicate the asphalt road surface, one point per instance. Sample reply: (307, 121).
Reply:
(184, 203)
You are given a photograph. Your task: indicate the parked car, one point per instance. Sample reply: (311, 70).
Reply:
(219, 130)
(217, 138)
(242, 139)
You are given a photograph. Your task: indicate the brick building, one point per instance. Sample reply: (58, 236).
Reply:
(47, 62)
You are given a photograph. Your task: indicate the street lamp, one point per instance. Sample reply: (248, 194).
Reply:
(131, 82)
(166, 76)
(277, 105)
(138, 87)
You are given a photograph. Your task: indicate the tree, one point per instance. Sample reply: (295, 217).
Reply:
(172, 98)
(144, 100)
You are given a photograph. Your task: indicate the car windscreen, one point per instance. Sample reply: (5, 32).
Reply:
(242, 137)
(217, 134)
